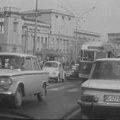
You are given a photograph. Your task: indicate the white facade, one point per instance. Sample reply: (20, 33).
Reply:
(55, 33)
(10, 36)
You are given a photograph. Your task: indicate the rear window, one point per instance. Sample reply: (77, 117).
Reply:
(51, 64)
(106, 70)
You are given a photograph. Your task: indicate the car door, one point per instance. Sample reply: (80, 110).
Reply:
(38, 77)
(28, 75)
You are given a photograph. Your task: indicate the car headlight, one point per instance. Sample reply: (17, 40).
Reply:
(5, 82)
(54, 73)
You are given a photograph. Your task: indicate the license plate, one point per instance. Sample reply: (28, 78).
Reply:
(112, 98)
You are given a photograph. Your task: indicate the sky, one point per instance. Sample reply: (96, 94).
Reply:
(104, 19)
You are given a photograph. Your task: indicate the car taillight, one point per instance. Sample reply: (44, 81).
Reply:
(89, 98)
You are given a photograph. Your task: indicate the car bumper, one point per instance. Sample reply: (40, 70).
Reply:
(6, 94)
(89, 104)
(97, 108)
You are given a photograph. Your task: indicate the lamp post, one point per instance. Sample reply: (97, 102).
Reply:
(80, 16)
(77, 21)
(35, 32)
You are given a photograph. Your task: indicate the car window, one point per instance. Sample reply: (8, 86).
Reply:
(27, 64)
(51, 64)
(106, 70)
(10, 62)
(35, 64)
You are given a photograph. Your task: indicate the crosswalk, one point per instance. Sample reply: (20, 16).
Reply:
(62, 86)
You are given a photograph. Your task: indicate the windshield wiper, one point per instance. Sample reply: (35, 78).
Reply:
(9, 113)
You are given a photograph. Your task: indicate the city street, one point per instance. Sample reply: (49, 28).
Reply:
(61, 100)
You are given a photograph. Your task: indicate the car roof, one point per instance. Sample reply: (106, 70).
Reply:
(108, 59)
(17, 54)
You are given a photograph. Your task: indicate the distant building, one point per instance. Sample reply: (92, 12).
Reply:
(61, 31)
(56, 37)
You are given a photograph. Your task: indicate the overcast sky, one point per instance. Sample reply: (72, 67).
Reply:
(104, 19)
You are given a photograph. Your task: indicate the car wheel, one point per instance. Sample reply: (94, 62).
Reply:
(17, 99)
(41, 95)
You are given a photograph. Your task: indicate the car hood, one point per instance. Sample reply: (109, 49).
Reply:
(49, 69)
(8, 72)
(102, 84)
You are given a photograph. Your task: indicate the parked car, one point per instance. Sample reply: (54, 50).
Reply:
(102, 89)
(20, 76)
(55, 70)
(73, 73)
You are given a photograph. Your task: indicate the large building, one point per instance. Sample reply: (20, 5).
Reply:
(56, 36)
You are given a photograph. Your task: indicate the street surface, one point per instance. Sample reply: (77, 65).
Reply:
(60, 101)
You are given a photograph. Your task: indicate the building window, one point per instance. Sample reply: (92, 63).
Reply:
(37, 49)
(69, 18)
(56, 16)
(0, 49)
(1, 27)
(42, 42)
(15, 26)
(14, 49)
(46, 42)
(38, 39)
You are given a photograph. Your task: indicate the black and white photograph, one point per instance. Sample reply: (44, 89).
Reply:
(60, 59)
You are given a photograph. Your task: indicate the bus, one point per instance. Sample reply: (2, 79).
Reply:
(91, 51)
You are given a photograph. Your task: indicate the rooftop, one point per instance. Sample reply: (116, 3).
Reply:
(44, 11)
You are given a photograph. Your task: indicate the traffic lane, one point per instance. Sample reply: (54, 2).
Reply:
(59, 101)
(103, 114)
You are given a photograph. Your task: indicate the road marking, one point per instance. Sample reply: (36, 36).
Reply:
(55, 89)
(73, 90)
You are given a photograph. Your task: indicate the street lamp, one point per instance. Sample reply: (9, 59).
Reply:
(80, 16)
(77, 21)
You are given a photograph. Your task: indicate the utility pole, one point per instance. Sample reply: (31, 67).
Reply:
(77, 21)
(35, 32)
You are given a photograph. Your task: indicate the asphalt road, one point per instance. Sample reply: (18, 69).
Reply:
(60, 101)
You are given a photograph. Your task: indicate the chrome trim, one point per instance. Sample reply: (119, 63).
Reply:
(6, 93)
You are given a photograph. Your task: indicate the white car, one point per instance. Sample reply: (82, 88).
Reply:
(21, 76)
(102, 89)
(55, 70)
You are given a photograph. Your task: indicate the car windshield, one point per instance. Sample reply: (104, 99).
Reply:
(10, 62)
(106, 70)
(51, 64)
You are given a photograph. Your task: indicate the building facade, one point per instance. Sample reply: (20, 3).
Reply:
(56, 37)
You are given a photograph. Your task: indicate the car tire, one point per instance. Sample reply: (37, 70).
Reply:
(17, 98)
(41, 95)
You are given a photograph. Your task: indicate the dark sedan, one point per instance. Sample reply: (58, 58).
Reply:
(73, 73)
